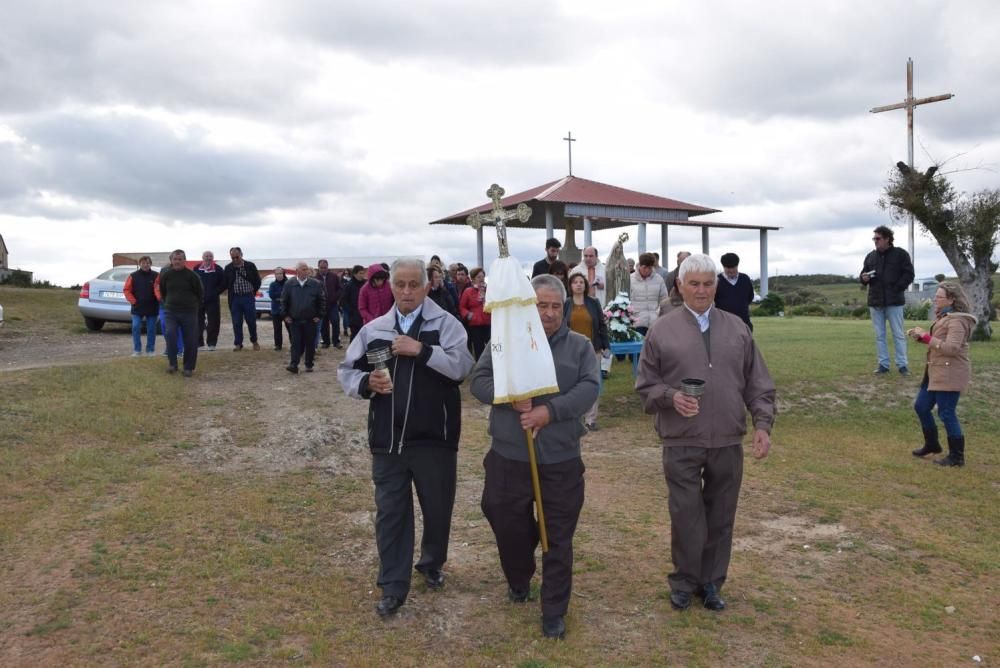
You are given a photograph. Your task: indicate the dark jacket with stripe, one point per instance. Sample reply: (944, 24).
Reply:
(424, 408)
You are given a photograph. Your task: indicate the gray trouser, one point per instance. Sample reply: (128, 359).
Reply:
(704, 485)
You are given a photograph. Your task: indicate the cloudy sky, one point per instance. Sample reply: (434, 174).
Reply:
(306, 128)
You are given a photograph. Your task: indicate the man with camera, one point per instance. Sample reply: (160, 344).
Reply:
(888, 272)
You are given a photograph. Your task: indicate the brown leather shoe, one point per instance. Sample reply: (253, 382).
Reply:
(256, 346)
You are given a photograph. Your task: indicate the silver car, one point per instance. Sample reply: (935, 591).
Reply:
(102, 299)
(263, 300)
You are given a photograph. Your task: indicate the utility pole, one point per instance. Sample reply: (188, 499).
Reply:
(569, 142)
(909, 103)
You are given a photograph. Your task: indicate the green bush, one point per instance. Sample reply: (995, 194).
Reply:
(772, 304)
(801, 296)
(808, 309)
(861, 312)
(847, 311)
(919, 311)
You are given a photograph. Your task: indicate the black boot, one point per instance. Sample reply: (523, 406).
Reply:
(932, 445)
(956, 452)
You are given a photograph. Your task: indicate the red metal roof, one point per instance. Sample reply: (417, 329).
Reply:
(576, 190)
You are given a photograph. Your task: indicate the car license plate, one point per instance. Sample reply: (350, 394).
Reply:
(110, 294)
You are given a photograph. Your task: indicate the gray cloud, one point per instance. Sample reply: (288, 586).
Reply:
(136, 164)
(516, 32)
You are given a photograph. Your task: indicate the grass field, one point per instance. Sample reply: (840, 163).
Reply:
(118, 547)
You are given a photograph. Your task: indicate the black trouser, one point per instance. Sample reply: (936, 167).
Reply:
(303, 336)
(331, 320)
(508, 503)
(276, 323)
(208, 323)
(188, 323)
(432, 471)
(479, 338)
(704, 485)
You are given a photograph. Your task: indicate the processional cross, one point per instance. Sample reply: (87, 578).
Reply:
(499, 217)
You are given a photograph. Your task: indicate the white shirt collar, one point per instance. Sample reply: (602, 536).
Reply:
(406, 321)
(702, 318)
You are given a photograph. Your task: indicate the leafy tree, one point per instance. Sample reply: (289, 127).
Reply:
(967, 227)
(772, 304)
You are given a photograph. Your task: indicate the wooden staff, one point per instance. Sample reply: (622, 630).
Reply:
(536, 485)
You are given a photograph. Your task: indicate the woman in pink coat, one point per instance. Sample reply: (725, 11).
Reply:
(375, 298)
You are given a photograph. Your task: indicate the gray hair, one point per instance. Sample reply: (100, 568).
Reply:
(551, 282)
(409, 262)
(697, 264)
(177, 252)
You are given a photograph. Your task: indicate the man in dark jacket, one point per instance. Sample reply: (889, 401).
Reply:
(181, 294)
(557, 420)
(303, 303)
(552, 246)
(242, 284)
(331, 319)
(888, 273)
(734, 291)
(213, 280)
(350, 298)
(414, 423)
(140, 294)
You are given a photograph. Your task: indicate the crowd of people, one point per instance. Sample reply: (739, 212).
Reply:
(418, 331)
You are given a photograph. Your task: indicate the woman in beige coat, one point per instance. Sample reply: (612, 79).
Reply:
(948, 372)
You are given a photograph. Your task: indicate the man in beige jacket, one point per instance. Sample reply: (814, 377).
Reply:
(703, 435)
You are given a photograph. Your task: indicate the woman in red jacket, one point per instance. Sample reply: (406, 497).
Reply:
(470, 307)
(375, 297)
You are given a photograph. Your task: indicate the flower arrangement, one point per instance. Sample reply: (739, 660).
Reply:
(621, 319)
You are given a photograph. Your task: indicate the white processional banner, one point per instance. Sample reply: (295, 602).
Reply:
(522, 360)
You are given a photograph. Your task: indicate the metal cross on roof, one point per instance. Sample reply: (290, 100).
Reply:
(569, 142)
(498, 216)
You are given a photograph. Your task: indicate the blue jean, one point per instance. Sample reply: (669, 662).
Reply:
(894, 314)
(181, 325)
(946, 405)
(243, 307)
(163, 328)
(137, 321)
(330, 326)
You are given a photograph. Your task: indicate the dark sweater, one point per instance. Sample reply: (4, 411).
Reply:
(735, 299)
(180, 290)
(213, 282)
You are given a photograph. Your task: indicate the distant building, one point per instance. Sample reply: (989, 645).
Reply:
(23, 278)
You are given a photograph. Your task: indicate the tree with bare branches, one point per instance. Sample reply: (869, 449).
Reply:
(966, 227)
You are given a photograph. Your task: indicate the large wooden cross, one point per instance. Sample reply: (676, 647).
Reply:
(499, 217)
(909, 103)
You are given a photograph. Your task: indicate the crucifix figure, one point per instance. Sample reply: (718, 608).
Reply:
(499, 217)
(569, 142)
(909, 103)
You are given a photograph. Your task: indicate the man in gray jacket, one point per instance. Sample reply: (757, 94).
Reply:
(703, 435)
(557, 422)
(414, 424)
